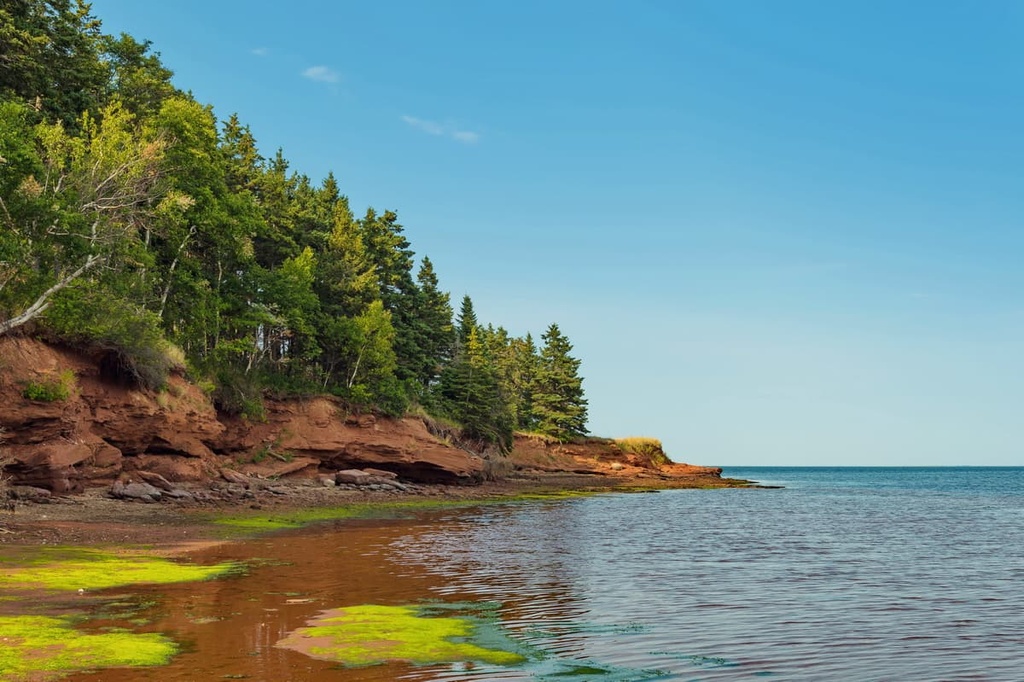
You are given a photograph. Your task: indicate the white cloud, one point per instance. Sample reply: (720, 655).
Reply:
(429, 127)
(442, 130)
(466, 136)
(322, 74)
(260, 51)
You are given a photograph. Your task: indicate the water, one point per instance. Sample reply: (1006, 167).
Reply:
(845, 574)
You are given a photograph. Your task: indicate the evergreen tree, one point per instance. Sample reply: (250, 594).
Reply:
(558, 406)
(434, 318)
(470, 394)
(466, 321)
(50, 58)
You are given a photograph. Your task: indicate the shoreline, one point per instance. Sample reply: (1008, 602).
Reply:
(177, 526)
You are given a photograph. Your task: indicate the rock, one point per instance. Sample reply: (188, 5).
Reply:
(327, 481)
(155, 480)
(353, 476)
(234, 477)
(278, 490)
(178, 494)
(381, 473)
(143, 492)
(28, 493)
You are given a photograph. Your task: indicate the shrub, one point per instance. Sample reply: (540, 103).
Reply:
(239, 394)
(50, 390)
(126, 338)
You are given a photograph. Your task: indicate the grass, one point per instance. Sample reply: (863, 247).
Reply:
(42, 647)
(644, 447)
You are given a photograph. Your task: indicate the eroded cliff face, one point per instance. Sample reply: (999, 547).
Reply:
(102, 430)
(599, 456)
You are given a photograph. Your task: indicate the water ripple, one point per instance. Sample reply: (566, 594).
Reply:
(800, 583)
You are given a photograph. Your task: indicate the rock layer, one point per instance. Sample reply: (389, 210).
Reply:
(102, 430)
(102, 433)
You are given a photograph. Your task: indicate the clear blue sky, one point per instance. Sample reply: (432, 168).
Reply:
(779, 233)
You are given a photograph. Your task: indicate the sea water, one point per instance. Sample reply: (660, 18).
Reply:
(842, 574)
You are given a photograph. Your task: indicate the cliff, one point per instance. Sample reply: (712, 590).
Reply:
(66, 428)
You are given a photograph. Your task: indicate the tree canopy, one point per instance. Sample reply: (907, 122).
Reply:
(133, 223)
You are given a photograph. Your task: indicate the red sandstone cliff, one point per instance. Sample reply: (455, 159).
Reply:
(102, 430)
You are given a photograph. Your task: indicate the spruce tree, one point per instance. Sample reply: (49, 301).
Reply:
(558, 406)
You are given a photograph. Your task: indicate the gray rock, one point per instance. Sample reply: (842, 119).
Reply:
(28, 493)
(142, 492)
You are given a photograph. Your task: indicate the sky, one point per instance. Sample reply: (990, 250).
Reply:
(776, 233)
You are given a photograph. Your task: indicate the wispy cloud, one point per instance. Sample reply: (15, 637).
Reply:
(323, 74)
(260, 51)
(442, 130)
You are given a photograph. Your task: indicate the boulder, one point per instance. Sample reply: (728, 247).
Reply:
(142, 492)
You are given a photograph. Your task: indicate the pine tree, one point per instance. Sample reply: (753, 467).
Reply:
(434, 324)
(558, 406)
(466, 321)
(470, 394)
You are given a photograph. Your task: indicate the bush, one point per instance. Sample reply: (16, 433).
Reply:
(50, 390)
(239, 394)
(127, 339)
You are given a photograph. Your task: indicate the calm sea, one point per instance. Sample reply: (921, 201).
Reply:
(843, 574)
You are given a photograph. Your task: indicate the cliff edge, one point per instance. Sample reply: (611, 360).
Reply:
(67, 427)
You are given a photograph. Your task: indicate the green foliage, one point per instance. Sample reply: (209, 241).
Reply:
(50, 390)
(558, 406)
(127, 339)
(131, 219)
(239, 394)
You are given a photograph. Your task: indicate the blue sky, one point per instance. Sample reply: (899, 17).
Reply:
(777, 233)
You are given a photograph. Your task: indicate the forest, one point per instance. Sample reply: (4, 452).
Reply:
(138, 227)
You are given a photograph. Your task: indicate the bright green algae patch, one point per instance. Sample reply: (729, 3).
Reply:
(33, 646)
(89, 569)
(372, 634)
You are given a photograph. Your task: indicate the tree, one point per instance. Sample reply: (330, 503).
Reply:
(469, 393)
(136, 76)
(558, 406)
(82, 208)
(50, 58)
(466, 321)
(434, 324)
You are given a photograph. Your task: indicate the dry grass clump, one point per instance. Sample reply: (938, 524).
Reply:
(642, 446)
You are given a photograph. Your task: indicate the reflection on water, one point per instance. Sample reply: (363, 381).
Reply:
(803, 583)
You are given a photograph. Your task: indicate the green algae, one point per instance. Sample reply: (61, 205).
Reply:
(298, 518)
(372, 634)
(89, 569)
(37, 647)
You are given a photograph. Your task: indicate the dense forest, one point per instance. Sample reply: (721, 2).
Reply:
(138, 227)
